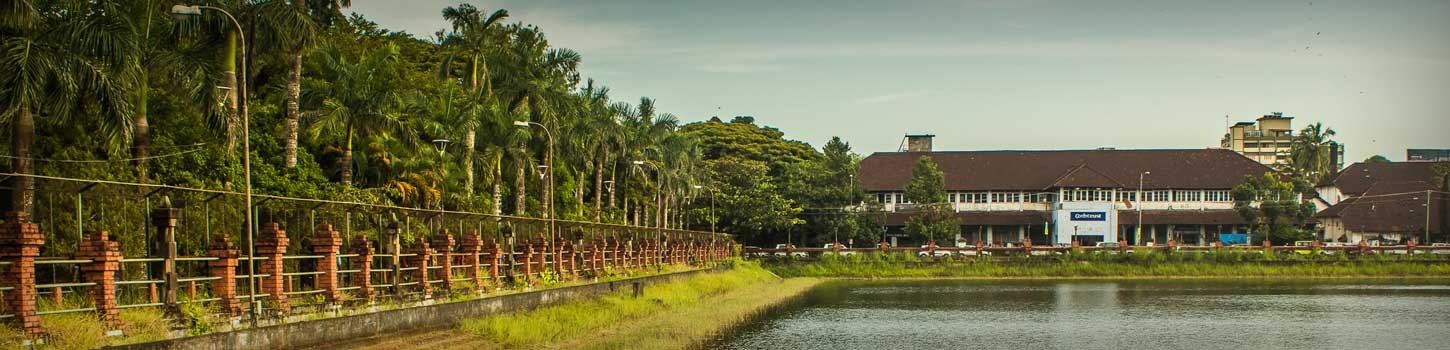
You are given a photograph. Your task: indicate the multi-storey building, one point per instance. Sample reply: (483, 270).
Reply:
(1057, 197)
(1427, 155)
(1268, 140)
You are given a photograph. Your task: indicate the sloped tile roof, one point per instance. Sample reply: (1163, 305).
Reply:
(1042, 170)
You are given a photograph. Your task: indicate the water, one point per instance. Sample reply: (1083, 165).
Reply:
(1108, 315)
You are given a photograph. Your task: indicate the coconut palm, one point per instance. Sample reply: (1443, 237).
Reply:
(355, 96)
(63, 60)
(1311, 153)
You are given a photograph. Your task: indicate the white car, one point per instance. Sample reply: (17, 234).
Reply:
(796, 254)
(1444, 248)
(831, 246)
(939, 252)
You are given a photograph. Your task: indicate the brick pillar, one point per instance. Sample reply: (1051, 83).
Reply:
(528, 263)
(421, 261)
(471, 246)
(105, 256)
(542, 259)
(224, 268)
(272, 244)
(444, 244)
(570, 252)
(363, 263)
(327, 242)
(20, 243)
(495, 254)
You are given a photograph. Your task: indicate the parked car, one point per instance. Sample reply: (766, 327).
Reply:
(782, 253)
(1444, 248)
(1306, 248)
(754, 251)
(830, 246)
(939, 252)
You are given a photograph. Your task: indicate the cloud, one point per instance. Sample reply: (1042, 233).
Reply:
(878, 99)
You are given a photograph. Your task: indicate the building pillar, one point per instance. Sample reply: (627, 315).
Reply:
(224, 268)
(989, 234)
(444, 244)
(1202, 234)
(528, 264)
(272, 244)
(327, 242)
(1022, 234)
(20, 242)
(105, 257)
(363, 263)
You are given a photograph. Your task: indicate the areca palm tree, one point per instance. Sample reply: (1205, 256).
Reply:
(355, 96)
(296, 29)
(54, 54)
(474, 36)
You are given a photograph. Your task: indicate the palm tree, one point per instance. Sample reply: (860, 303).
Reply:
(536, 77)
(297, 37)
(177, 65)
(63, 60)
(1310, 154)
(356, 97)
(474, 36)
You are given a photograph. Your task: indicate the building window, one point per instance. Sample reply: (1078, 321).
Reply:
(1187, 196)
(951, 197)
(1218, 196)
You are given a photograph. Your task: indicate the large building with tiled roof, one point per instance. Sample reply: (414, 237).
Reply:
(1088, 196)
(1385, 203)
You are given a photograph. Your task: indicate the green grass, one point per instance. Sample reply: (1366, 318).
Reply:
(1224, 264)
(84, 330)
(574, 322)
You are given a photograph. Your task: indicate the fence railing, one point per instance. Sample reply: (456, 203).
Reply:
(98, 246)
(1040, 250)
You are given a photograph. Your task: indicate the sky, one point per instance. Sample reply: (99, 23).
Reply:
(999, 74)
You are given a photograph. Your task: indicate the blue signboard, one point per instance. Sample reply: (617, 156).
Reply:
(1089, 216)
(1233, 238)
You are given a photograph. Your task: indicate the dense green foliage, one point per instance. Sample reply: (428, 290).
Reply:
(1274, 208)
(932, 217)
(770, 189)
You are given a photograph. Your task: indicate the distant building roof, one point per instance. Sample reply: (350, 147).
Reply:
(1043, 170)
(1358, 177)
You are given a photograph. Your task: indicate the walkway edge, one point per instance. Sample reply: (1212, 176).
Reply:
(325, 331)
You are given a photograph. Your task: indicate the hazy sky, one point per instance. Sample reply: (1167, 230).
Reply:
(1012, 74)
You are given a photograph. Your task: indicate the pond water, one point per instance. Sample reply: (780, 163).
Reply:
(1108, 315)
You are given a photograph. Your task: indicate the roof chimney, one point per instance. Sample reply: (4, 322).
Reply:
(918, 142)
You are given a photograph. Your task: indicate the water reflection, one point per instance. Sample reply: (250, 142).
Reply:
(1104, 315)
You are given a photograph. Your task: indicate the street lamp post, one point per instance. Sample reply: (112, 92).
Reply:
(548, 187)
(182, 12)
(659, 220)
(1138, 235)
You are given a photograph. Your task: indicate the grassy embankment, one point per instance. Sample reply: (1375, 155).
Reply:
(677, 314)
(1136, 265)
(83, 330)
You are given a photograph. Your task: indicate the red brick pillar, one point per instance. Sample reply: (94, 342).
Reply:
(495, 254)
(224, 268)
(20, 243)
(471, 246)
(528, 263)
(105, 257)
(570, 252)
(272, 244)
(363, 263)
(420, 260)
(542, 259)
(328, 243)
(444, 244)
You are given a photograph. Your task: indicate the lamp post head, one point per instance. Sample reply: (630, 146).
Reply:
(638, 162)
(441, 145)
(521, 124)
(182, 12)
